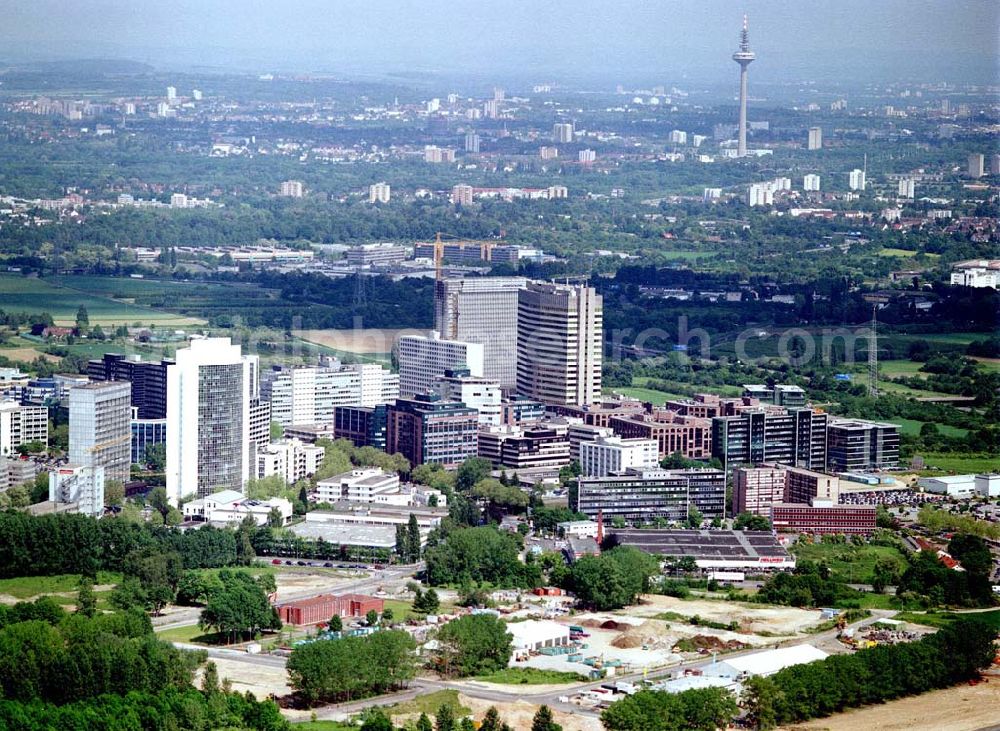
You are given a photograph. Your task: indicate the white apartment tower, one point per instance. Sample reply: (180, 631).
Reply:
(422, 360)
(379, 193)
(815, 141)
(605, 455)
(481, 394)
(209, 390)
(906, 188)
(482, 310)
(856, 179)
(291, 189)
(100, 427)
(810, 182)
(977, 165)
(310, 394)
(559, 343)
(22, 425)
(562, 132)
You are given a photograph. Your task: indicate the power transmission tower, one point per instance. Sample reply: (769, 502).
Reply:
(873, 356)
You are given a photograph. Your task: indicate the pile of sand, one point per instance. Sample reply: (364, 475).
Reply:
(652, 635)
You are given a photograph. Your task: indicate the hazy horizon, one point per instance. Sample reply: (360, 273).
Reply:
(629, 41)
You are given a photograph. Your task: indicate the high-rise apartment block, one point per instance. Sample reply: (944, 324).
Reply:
(977, 164)
(856, 179)
(795, 436)
(209, 393)
(291, 189)
(148, 379)
(472, 142)
(100, 428)
(171, 92)
(482, 310)
(422, 360)
(80, 485)
(426, 429)
(586, 157)
(548, 153)
(311, 394)
(559, 343)
(678, 137)
(854, 445)
(461, 194)
(562, 132)
(810, 182)
(379, 193)
(906, 188)
(815, 141)
(20, 425)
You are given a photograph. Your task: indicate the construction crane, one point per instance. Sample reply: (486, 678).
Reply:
(485, 249)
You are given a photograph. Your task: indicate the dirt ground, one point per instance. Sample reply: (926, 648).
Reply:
(363, 341)
(261, 680)
(518, 715)
(962, 708)
(301, 581)
(753, 618)
(26, 355)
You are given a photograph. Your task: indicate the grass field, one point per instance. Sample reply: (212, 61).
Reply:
(530, 676)
(941, 619)
(960, 464)
(61, 300)
(853, 564)
(912, 427)
(657, 398)
(429, 704)
(192, 633)
(27, 587)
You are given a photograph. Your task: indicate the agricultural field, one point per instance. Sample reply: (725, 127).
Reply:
(912, 427)
(853, 564)
(61, 588)
(959, 464)
(62, 300)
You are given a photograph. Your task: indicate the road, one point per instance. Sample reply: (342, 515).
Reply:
(501, 695)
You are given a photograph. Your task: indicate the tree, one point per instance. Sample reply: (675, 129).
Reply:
(426, 602)
(274, 518)
(476, 644)
(694, 517)
(444, 719)
(614, 579)
(884, 573)
(759, 695)
(412, 540)
(156, 457)
(472, 471)
(241, 607)
(210, 679)
(86, 600)
(336, 624)
(277, 431)
(972, 552)
(159, 501)
(749, 521)
(424, 723)
(245, 553)
(82, 318)
(543, 721)
(371, 618)
(387, 615)
(402, 548)
(374, 719)
(114, 493)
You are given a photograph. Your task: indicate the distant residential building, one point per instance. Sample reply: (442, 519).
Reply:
(562, 133)
(824, 517)
(461, 195)
(196, 95)
(643, 496)
(472, 142)
(209, 394)
(230, 506)
(422, 360)
(178, 200)
(435, 154)
(482, 310)
(289, 458)
(548, 153)
(559, 343)
(100, 433)
(291, 189)
(977, 273)
(995, 163)
(425, 429)
(146, 433)
(375, 255)
(555, 192)
(976, 167)
(586, 157)
(678, 137)
(20, 425)
(906, 188)
(78, 486)
(759, 194)
(811, 182)
(171, 93)
(856, 179)
(481, 394)
(815, 141)
(607, 455)
(855, 445)
(711, 194)
(379, 193)
(148, 379)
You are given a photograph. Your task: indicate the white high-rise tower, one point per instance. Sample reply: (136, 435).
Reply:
(744, 57)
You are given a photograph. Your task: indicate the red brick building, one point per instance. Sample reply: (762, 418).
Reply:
(801, 518)
(321, 608)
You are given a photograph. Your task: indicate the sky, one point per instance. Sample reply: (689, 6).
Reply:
(546, 40)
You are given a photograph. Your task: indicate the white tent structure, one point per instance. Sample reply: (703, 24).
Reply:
(765, 663)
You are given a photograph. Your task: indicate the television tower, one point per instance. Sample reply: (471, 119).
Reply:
(744, 57)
